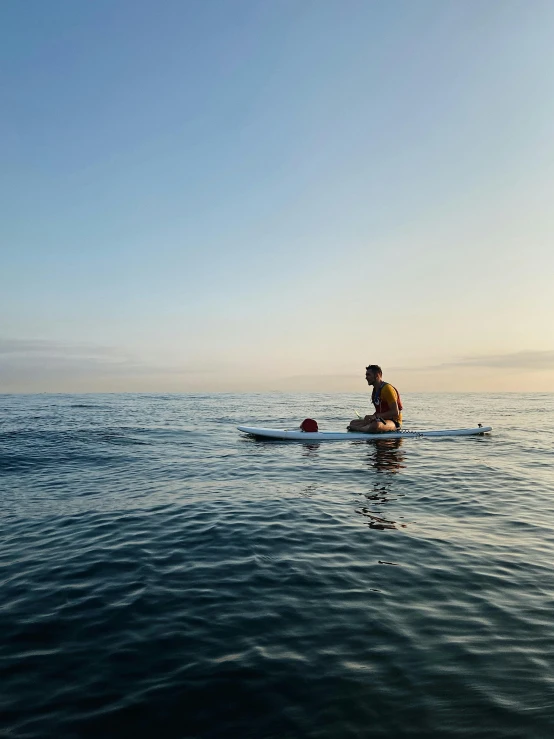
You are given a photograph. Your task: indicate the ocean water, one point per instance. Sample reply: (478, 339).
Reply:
(162, 575)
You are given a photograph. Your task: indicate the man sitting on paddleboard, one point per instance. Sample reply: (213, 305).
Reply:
(387, 402)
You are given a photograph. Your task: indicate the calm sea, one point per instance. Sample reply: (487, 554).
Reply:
(162, 575)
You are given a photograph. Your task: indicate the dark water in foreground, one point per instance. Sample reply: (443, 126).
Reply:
(162, 576)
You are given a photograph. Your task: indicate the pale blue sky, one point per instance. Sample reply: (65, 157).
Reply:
(257, 195)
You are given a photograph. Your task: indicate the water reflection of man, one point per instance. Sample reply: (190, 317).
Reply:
(386, 456)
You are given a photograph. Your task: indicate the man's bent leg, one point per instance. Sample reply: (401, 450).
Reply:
(378, 427)
(357, 424)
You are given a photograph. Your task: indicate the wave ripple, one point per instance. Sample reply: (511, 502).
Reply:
(159, 574)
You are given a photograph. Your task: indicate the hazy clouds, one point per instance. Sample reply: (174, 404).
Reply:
(50, 366)
(524, 360)
(37, 365)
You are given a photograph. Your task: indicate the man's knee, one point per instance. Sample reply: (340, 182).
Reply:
(387, 426)
(381, 427)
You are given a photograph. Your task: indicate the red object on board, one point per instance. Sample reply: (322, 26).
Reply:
(308, 424)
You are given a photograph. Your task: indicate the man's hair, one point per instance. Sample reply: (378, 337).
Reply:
(375, 369)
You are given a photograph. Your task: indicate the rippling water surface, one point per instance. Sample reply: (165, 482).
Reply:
(163, 575)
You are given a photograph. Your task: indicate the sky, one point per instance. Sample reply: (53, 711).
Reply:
(268, 195)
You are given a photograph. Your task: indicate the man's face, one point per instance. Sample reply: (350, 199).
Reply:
(370, 377)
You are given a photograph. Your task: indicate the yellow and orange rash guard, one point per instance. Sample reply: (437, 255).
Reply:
(387, 397)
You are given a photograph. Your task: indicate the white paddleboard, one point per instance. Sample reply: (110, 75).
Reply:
(297, 435)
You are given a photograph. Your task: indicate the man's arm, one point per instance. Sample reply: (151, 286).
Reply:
(393, 412)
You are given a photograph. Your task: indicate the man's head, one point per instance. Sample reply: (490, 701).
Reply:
(373, 374)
